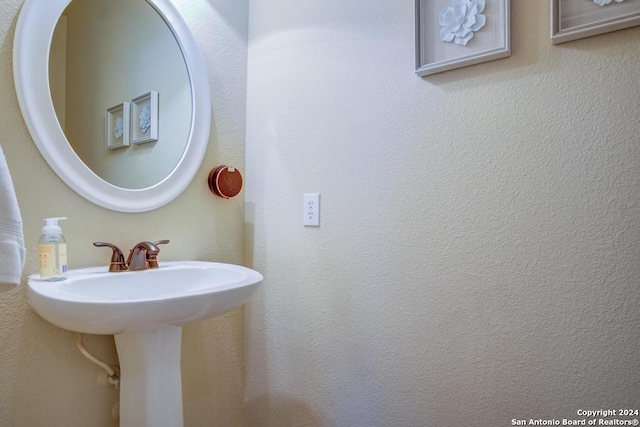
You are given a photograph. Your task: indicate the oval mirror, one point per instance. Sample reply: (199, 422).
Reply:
(115, 130)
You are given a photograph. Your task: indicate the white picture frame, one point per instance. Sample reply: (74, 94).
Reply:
(577, 19)
(144, 118)
(489, 42)
(117, 130)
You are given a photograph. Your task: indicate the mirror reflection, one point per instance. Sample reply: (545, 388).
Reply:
(121, 90)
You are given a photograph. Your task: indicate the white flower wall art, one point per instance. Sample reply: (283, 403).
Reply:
(578, 19)
(461, 20)
(453, 34)
(144, 120)
(117, 126)
(145, 117)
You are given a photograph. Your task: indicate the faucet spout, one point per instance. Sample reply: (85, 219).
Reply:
(139, 254)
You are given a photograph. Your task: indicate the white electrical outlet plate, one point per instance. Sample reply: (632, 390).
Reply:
(311, 212)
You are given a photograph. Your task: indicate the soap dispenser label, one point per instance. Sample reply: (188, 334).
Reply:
(50, 265)
(47, 260)
(62, 258)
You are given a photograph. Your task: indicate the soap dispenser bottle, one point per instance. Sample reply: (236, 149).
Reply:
(52, 251)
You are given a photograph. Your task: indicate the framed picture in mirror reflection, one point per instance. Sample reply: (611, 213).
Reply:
(144, 118)
(117, 126)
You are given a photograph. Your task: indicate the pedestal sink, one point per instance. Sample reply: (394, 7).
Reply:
(146, 311)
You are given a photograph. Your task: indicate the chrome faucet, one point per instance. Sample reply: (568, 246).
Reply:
(143, 256)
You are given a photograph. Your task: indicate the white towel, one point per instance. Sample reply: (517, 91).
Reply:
(12, 251)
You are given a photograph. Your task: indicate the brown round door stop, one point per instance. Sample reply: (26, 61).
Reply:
(225, 181)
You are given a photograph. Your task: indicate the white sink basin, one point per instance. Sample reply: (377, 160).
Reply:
(95, 301)
(145, 310)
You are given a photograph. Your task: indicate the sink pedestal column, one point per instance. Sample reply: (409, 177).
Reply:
(150, 378)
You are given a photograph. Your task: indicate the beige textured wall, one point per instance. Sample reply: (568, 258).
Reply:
(44, 380)
(479, 253)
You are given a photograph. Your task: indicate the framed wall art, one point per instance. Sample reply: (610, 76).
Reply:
(576, 19)
(117, 126)
(457, 33)
(145, 118)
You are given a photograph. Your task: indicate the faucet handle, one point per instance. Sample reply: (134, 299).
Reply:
(117, 258)
(152, 258)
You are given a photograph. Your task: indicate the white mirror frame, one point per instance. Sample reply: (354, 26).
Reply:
(34, 32)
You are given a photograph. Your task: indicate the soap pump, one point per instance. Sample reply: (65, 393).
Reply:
(52, 251)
